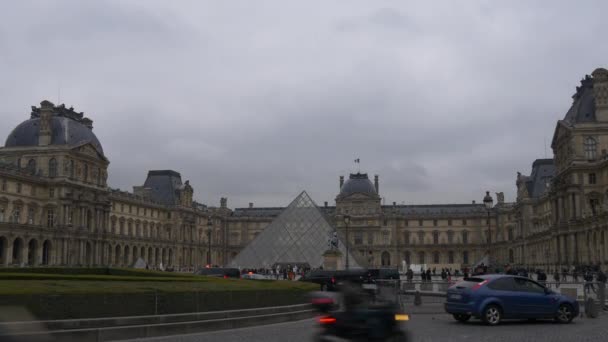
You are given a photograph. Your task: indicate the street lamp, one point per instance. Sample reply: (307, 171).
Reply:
(209, 229)
(346, 222)
(488, 202)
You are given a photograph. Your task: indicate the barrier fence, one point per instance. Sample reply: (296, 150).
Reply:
(591, 295)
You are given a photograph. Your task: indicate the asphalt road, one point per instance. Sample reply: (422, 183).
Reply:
(423, 327)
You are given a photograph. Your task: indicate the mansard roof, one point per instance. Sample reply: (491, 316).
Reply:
(583, 105)
(164, 185)
(67, 128)
(543, 170)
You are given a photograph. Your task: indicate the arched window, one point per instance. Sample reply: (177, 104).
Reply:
(31, 166)
(421, 257)
(451, 257)
(85, 169)
(52, 167)
(436, 257)
(590, 146)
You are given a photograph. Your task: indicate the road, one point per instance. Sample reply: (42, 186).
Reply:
(423, 327)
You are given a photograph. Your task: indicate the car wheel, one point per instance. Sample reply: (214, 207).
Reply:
(564, 314)
(491, 315)
(461, 317)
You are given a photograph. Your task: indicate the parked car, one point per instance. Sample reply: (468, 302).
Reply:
(495, 297)
(383, 273)
(330, 280)
(221, 272)
(254, 276)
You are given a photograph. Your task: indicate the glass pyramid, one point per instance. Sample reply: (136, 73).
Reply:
(299, 235)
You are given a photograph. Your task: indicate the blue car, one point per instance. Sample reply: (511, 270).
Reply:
(496, 297)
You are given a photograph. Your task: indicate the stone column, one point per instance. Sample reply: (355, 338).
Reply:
(9, 253)
(38, 253)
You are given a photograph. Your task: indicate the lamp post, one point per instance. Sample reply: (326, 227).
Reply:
(209, 229)
(346, 222)
(488, 202)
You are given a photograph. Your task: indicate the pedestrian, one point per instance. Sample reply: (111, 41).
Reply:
(589, 282)
(601, 279)
(542, 278)
(556, 278)
(428, 275)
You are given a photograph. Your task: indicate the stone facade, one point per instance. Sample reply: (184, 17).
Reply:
(560, 219)
(56, 208)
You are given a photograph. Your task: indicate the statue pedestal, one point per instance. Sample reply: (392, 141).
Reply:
(333, 260)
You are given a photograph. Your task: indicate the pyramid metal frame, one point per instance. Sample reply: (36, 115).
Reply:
(300, 234)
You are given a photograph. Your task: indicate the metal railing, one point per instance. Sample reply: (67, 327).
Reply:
(404, 292)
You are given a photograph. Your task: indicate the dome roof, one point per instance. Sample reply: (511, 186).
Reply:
(583, 107)
(65, 130)
(358, 183)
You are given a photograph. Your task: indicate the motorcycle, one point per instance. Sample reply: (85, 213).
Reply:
(365, 321)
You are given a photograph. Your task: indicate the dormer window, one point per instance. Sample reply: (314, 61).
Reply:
(53, 167)
(590, 146)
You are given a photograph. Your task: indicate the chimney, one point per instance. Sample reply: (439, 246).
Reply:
(341, 182)
(376, 184)
(46, 115)
(600, 92)
(250, 205)
(325, 204)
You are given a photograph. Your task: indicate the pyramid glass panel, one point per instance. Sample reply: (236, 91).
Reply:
(299, 235)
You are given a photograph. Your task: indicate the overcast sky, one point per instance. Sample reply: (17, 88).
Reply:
(258, 100)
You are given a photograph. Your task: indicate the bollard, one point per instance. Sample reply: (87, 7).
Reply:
(417, 299)
(601, 294)
(591, 309)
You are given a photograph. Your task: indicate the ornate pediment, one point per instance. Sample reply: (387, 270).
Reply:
(358, 196)
(88, 149)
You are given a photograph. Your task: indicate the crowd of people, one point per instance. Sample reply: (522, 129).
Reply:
(576, 273)
(287, 272)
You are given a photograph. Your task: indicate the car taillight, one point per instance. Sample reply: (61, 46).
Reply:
(478, 285)
(327, 320)
(319, 301)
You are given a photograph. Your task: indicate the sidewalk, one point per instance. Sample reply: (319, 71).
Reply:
(429, 308)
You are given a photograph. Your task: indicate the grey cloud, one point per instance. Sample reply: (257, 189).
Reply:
(260, 101)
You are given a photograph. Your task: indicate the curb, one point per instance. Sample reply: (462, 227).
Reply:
(163, 329)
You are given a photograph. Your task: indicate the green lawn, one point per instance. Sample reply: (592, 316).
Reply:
(12, 283)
